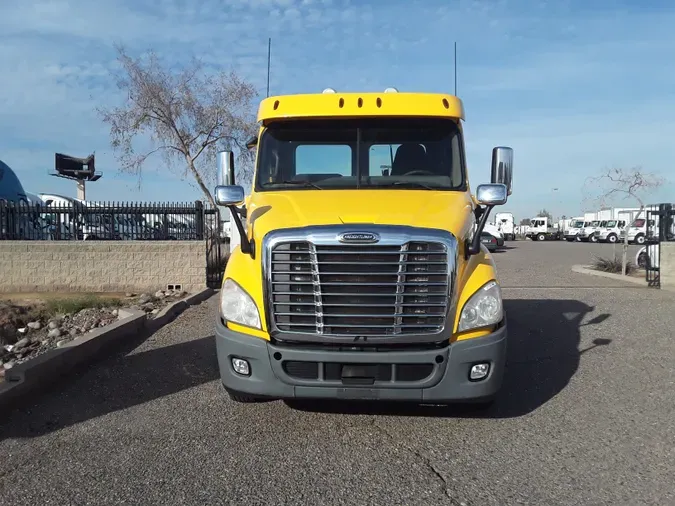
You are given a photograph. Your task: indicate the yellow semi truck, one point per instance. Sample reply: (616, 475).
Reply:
(361, 274)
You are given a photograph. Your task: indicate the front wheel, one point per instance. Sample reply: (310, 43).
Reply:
(594, 238)
(541, 237)
(612, 238)
(642, 260)
(640, 239)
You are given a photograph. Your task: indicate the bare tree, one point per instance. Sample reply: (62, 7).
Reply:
(188, 115)
(630, 183)
(545, 214)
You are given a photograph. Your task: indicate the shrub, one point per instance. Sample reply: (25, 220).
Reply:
(612, 265)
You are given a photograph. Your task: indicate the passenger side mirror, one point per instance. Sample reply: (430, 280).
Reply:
(494, 194)
(225, 168)
(231, 195)
(502, 167)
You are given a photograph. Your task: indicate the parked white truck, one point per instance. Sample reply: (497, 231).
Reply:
(541, 229)
(576, 225)
(588, 231)
(611, 231)
(637, 231)
(505, 223)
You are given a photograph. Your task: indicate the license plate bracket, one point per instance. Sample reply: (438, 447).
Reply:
(358, 374)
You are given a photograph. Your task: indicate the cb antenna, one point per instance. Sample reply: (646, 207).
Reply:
(269, 56)
(455, 68)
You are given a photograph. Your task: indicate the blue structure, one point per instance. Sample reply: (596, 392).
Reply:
(11, 188)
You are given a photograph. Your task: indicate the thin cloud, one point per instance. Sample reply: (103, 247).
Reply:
(572, 86)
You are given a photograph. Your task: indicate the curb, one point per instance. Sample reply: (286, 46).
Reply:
(582, 269)
(42, 370)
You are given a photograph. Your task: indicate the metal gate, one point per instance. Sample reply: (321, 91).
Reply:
(217, 249)
(660, 228)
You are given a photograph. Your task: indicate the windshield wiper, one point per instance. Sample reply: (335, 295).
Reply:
(306, 184)
(414, 184)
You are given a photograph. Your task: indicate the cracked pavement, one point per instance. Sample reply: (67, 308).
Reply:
(585, 417)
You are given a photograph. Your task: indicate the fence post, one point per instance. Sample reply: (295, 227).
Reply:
(199, 219)
(665, 219)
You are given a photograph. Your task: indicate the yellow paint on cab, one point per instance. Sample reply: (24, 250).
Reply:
(354, 105)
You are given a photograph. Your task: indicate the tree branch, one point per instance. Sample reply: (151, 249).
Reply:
(184, 111)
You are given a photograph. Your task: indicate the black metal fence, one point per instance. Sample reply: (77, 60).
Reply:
(69, 221)
(660, 228)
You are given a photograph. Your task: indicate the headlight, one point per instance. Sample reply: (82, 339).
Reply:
(483, 308)
(237, 306)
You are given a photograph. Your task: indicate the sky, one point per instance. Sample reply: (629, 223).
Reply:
(574, 87)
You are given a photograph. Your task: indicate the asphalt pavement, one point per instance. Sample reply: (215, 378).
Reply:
(586, 416)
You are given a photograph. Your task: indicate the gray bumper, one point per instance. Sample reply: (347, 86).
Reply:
(447, 379)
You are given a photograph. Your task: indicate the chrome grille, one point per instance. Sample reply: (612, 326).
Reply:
(365, 290)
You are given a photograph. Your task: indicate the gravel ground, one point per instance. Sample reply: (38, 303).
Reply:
(586, 417)
(39, 334)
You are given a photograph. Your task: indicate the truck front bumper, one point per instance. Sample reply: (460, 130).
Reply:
(298, 372)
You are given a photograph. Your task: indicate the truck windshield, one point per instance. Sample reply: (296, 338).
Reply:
(611, 224)
(392, 153)
(577, 224)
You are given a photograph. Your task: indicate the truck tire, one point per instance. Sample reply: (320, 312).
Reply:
(593, 238)
(640, 239)
(541, 237)
(612, 238)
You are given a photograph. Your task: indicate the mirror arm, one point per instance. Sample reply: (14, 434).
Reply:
(474, 247)
(246, 245)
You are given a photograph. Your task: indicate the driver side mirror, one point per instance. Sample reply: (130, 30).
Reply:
(502, 167)
(491, 194)
(230, 195)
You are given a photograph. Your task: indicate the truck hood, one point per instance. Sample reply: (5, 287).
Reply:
(451, 211)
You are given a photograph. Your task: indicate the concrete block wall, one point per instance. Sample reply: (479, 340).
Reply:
(667, 265)
(101, 266)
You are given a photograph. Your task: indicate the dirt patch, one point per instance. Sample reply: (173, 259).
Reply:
(31, 324)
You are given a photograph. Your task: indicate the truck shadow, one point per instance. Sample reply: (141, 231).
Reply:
(543, 355)
(123, 380)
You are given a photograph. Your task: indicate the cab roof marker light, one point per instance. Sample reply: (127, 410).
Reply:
(329, 90)
(391, 90)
